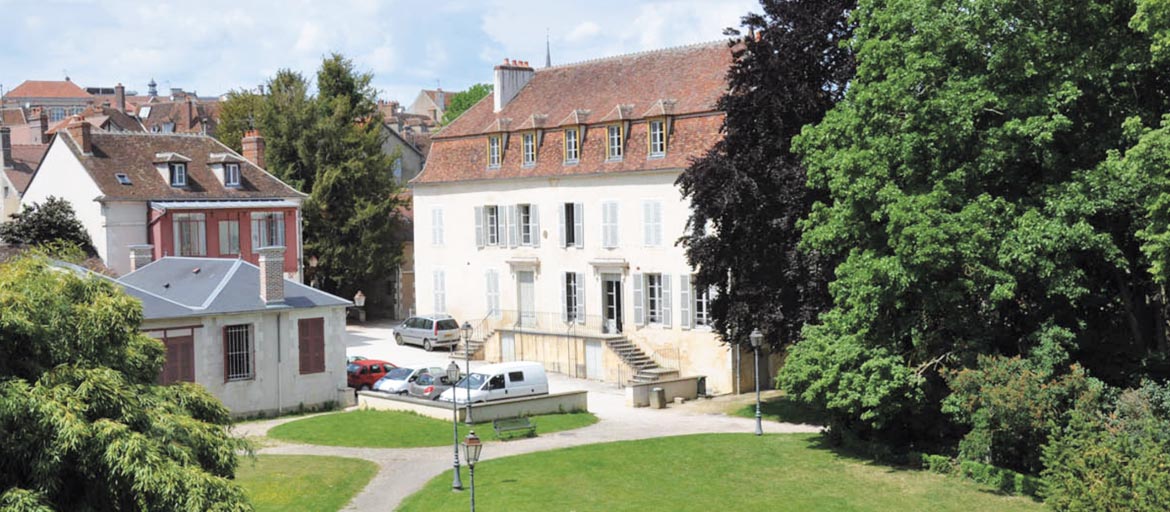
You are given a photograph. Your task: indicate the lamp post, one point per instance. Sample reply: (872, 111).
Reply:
(471, 449)
(453, 377)
(466, 331)
(757, 337)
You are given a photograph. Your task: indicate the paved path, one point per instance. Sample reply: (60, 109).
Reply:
(404, 471)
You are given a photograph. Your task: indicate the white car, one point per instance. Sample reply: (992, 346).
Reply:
(398, 380)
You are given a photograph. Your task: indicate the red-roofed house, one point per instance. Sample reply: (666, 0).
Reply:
(176, 195)
(59, 99)
(547, 215)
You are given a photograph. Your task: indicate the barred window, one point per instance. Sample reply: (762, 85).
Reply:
(238, 354)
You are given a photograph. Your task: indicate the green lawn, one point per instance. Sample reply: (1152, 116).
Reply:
(394, 429)
(303, 482)
(781, 408)
(703, 473)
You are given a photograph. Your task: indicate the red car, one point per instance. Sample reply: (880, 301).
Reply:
(362, 374)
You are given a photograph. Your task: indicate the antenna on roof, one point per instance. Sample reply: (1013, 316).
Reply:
(547, 50)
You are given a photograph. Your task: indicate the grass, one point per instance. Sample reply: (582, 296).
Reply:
(707, 472)
(303, 482)
(783, 409)
(396, 429)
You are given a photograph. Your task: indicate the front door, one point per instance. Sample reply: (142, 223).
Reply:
(507, 346)
(593, 365)
(527, 293)
(611, 301)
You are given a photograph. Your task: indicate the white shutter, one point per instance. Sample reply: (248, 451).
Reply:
(605, 243)
(534, 218)
(579, 225)
(494, 293)
(510, 224)
(562, 227)
(615, 239)
(666, 305)
(657, 225)
(479, 233)
(437, 226)
(487, 291)
(439, 291)
(565, 297)
(647, 223)
(255, 236)
(580, 298)
(684, 301)
(639, 300)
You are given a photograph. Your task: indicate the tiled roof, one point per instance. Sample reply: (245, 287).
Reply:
(447, 95)
(684, 82)
(48, 89)
(25, 159)
(106, 118)
(177, 117)
(12, 116)
(135, 154)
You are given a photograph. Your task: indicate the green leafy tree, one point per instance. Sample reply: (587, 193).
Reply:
(288, 119)
(461, 101)
(238, 113)
(84, 424)
(50, 222)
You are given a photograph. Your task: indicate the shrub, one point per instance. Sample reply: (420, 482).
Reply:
(1113, 457)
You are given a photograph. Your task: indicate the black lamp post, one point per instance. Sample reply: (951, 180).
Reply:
(471, 449)
(757, 338)
(453, 377)
(466, 331)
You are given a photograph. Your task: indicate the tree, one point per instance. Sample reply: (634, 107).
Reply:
(461, 101)
(85, 426)
(750, 187)
(238, 113)
(288, 118)
(53, 221)
(968, 203)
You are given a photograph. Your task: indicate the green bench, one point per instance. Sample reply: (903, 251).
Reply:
(506, 425)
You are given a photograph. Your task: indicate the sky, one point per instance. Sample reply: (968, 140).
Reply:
(213, 46)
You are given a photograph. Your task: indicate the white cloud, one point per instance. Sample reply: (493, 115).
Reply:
(310, 38)
(583, 31)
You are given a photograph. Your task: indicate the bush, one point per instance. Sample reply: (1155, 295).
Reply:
(1113, 457)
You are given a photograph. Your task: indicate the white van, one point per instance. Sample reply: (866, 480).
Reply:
(500, 381)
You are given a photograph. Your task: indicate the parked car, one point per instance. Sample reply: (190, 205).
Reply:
(429, 386)
(397, 380)
(362, 374)
(428, 331)
(501, 381)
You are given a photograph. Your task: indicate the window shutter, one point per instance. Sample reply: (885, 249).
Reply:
(202, 250)
(657, 227)
(487, 291)
(440, 291)
(255, 234)
(579, 224)
(647, 223)
(565, 297)
(510, 225)
(684, 301)
(605, 220)
(223, 335)
(534, 215)
(614, 232)
(561, 225)
(639, 300)
(666, 303)
(479, 234)
(581, 298)
(437, 226)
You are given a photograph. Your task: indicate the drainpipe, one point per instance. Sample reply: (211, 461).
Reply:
(279, 409)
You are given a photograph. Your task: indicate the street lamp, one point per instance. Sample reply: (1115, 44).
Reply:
(757, 337)
(466, 331)
(453, 377)
(471, 448)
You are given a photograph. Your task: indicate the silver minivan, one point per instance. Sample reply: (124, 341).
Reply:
(428, 331)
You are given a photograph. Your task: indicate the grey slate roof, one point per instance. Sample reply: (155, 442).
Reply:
(176, 287)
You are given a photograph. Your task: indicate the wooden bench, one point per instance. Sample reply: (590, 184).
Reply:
(513, 425)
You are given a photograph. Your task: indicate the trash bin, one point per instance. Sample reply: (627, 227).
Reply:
(702, 383)
(657, 398)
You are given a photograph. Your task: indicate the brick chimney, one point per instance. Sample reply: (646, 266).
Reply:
(253, 145)
(140, 256)
(120, 98)
(43, 118)
(79, 129)
(6, 146)
(271, 274)
(511, 76)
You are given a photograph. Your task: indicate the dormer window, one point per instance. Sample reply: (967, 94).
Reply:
(529, 141)
(657, 138)
(178, 174)
(122, 178)
(231, 175)
(494, 152)
(613, 142)
(572, 145)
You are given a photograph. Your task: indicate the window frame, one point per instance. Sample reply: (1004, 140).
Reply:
(231, 174)
(193, 224)
(311, 349)
(178, 170)
(575, 146)
(654, 308)
(701, 316)
(524, 220)
(661, 136)
(491, 220)
(614, 142)
(528, 148)
(232, 232)
(571, 291)
(249, 353)
(267, 219)
(495, 151)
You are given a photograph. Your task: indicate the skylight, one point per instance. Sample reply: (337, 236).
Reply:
(122, 178)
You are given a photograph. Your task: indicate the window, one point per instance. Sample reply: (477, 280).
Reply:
(573, 298)
(529, 141)
(492, 287)
(56, 114)
(572, 225)
(609, 225)
(652, 223)
(654, 298)
(190, 234)
(440, 285)
(613, 145)
(237, 350)
(657, 139)
(516, 376)
(572, 146)
(179, 365)
(267, 229)
(311, 344)
(529, 219)
(494, 152)
(122, 178)
(492, 224)
(231, 175)
(229, 237)
(702, 307)
(437, 226)
(178, 174)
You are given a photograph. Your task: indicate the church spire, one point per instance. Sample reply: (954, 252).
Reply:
(547, 51)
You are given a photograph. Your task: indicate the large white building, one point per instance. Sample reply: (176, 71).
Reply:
(547, 216)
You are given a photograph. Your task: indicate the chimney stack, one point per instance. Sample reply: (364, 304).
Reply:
(79, 129)
(43, 118)
(253, 145)
(6, 146)
(511, 76)
(140, 256)
(120, 98)
(271, 274)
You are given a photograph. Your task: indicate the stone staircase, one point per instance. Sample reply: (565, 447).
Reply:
(474, 346)
(645, 369)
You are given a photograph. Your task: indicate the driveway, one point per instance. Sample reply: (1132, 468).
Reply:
(404, 471)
